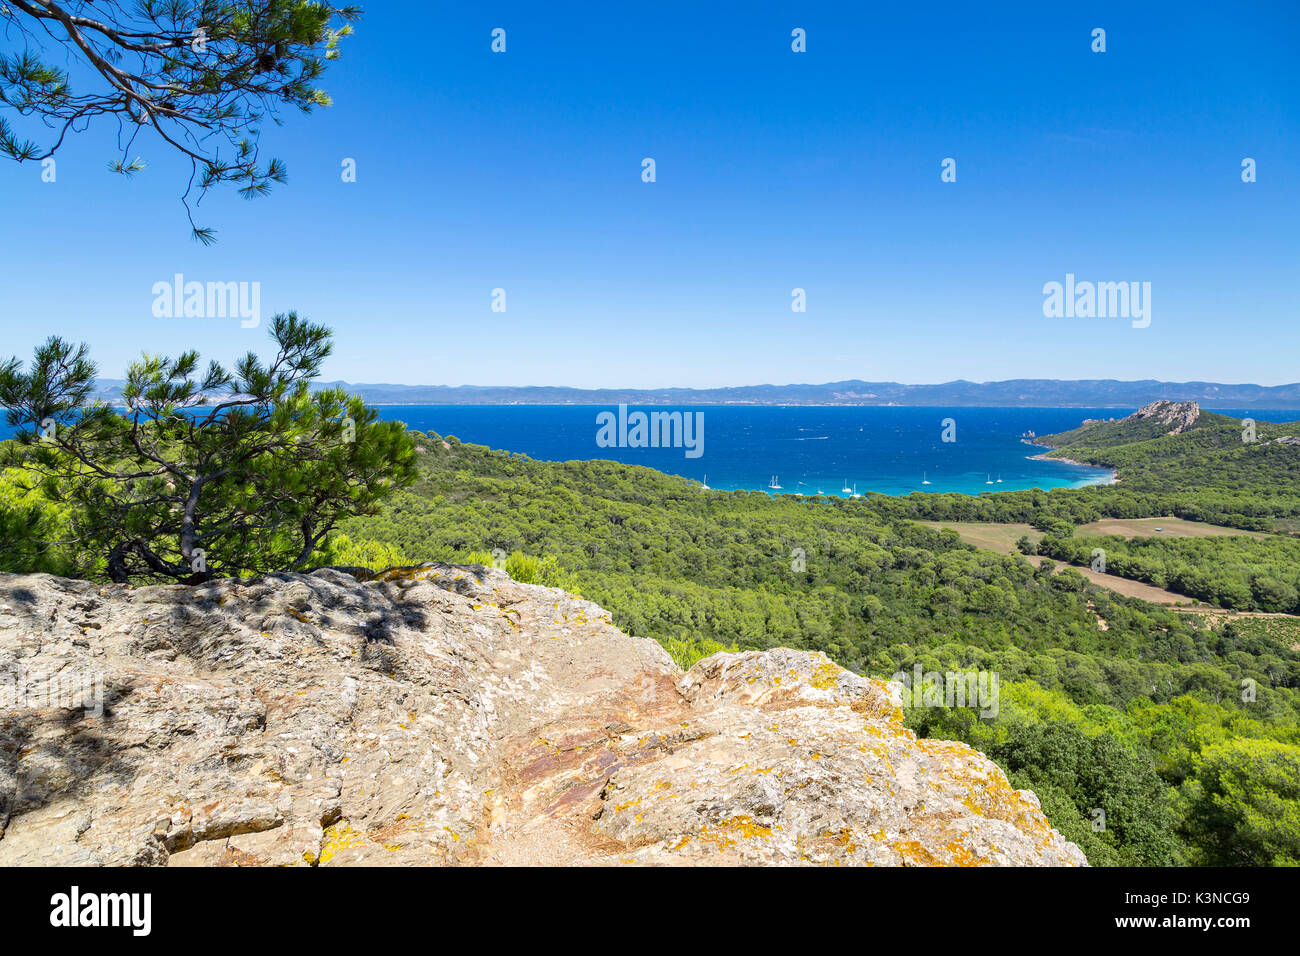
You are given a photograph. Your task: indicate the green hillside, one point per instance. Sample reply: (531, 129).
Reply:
(1206, 473)
(1106, 702)
(1181, 730)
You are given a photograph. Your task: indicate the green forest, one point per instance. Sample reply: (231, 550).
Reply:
(1152, 736)
(1181, 729)
(1207, 473)
(1245, 574)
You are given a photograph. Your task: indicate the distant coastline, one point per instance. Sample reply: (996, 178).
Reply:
(1015, 393)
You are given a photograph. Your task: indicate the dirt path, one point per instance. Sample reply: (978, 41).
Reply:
(1002, 538)
(1127, 588)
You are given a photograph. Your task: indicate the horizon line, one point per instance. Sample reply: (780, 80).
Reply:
(841, 382)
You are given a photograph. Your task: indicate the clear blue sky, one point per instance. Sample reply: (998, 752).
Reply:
(775, 170)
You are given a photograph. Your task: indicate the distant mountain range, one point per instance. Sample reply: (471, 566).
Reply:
(1084, 393)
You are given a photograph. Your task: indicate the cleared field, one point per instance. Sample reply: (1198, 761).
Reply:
(994, 537)
(1124, 586)
(1169, 528)
(1003, 537)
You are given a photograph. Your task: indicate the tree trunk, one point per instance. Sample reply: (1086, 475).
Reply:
(117, 572)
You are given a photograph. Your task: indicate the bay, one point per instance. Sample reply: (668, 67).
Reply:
(805, 449)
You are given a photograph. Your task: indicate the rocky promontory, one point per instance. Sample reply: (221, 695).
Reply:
(449, 715)
(1181, 415)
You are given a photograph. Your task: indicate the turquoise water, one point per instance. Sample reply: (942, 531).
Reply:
(810, 449)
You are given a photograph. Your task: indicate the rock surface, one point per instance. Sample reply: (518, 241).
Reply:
(1181, 415)
(450, 715)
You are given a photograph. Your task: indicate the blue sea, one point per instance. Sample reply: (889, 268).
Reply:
(805, 449)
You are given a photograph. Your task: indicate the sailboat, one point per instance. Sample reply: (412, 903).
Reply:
(706, 483)
(999, 481)
(924, 480)
(845, 490)
(990, 479)
(855, 491)
(773, 484)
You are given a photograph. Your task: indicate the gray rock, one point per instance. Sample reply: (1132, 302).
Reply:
(1181, 415)
(449, 715)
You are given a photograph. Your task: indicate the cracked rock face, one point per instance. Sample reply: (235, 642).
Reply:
(1181, 415)
(448, 715)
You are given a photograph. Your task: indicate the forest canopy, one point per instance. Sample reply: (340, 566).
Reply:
(1108, 703)
(1152, 736)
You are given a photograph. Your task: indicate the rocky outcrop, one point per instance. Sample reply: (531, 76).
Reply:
(1180, 415)
(449, 715)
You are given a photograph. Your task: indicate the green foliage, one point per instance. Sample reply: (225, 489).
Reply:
(219, 68)
(1181, 728)
(686, 652)
(1207, 473)
(527, 569)
(1246, 574)
(34, 531)
(342, 551)
(1243, 806)
(207, 474)
(1096, 773)
(1112, 717)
